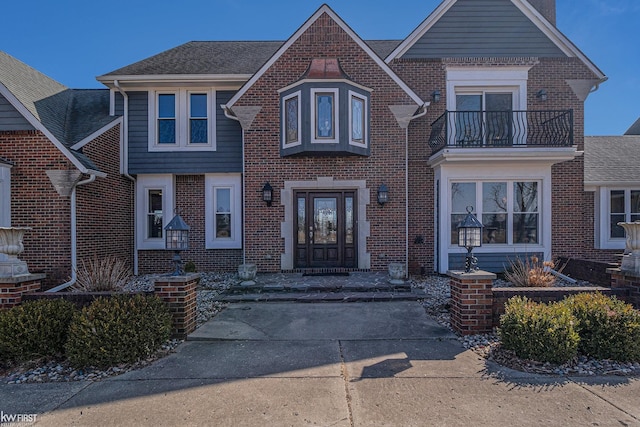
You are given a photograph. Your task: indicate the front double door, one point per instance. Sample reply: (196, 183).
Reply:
(325, 229)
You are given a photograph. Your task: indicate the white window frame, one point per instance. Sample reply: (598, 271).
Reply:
(365, 124)
(476, 80)
(604, 221)
(286, 144)
(144, 183)
(182, 121)
(5, 195)
(478, 210)
(336, 113)
(234, 183)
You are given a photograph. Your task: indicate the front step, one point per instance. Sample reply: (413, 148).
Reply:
(322, 297)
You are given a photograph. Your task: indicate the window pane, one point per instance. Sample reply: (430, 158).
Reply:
(223, 225)
(495, 228)
(348, 219)
(325, 220)
(198, 131)
(223, 200)
(324, 115)
(616, 230)
(525, 228)
(302, 221)
(166, 106)
(617, 201)
(463, 194)
(525, 197)
(291, 120)
(198, 105)
(154, 214)
(635, 201)
(166, 131)
(456, 219)
(498, 102)
(494, 197)
(357, 119)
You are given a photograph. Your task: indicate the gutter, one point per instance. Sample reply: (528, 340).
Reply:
(229, 114)
(74, 236)
(124, 166)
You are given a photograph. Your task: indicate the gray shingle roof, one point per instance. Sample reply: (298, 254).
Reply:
(612, 159)
(219, 57)
(634, 129)
(69, 114)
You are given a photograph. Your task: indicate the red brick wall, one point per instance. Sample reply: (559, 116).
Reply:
(190, 203)
(324, 39)
(36, 204)
(104, 207)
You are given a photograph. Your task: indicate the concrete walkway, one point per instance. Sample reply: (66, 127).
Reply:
(327, 364)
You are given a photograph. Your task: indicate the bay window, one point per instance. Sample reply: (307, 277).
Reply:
(509, 210)
(624, 206)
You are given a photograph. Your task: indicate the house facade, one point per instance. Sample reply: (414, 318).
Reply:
(328, 152)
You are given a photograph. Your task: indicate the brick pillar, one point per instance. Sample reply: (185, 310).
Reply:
(12, 288)
(471, 301)
(179, 292)
(628, 280)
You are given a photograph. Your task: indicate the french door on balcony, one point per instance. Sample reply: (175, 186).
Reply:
(484, 119)
(325, 229)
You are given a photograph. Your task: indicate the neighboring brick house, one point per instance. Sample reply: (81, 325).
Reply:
(442, 120)
(328, 125)
(59, 172)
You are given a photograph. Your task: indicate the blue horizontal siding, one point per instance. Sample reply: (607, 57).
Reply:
(10, 118)
(226, 158)
(483, 28)
(496, 262)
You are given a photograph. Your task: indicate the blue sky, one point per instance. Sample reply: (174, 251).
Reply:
(73, 41)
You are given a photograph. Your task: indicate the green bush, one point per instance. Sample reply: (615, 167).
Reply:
(539, 331)
(608, 328)
(120, 329)
(35, 329)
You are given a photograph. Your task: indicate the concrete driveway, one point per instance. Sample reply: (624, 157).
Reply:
(327, 364)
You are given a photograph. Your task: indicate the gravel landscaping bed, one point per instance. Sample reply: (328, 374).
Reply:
(488, 346)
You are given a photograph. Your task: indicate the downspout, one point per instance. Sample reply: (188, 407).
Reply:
(421, 113)
(124, 159)
(74, 234)
(228, 114)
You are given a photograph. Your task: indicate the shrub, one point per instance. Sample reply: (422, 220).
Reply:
(538, 331)
(120, 329)
(531, 272)
(35, 329)
(608, 328)
(105, 274)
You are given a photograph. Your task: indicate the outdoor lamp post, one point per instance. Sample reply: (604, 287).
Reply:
(469, 237)
(177, 239)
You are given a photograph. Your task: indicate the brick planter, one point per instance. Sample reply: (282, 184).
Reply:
(179, 292)
(13, 288)
(626, 280)
(471, 301)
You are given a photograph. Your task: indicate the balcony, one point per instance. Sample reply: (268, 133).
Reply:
(500, 129)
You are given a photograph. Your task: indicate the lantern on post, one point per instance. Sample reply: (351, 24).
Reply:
(177, 239)
(469, 237)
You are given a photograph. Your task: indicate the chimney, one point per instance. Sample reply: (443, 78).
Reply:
(546, 8)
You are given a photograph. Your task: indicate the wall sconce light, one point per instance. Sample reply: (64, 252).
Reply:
(435, 95)
(177, 239)
(542, 94)
(383, 194)
(267, 193)
(469, 237)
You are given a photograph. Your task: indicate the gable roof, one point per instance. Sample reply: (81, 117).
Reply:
(634, 129)
(212, 59)
(325, 9)
(66, 116)
(562, 44)
(611, 160)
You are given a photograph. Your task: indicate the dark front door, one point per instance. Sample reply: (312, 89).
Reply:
(325, 229)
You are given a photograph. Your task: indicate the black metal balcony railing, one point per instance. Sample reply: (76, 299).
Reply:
(473, 129)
